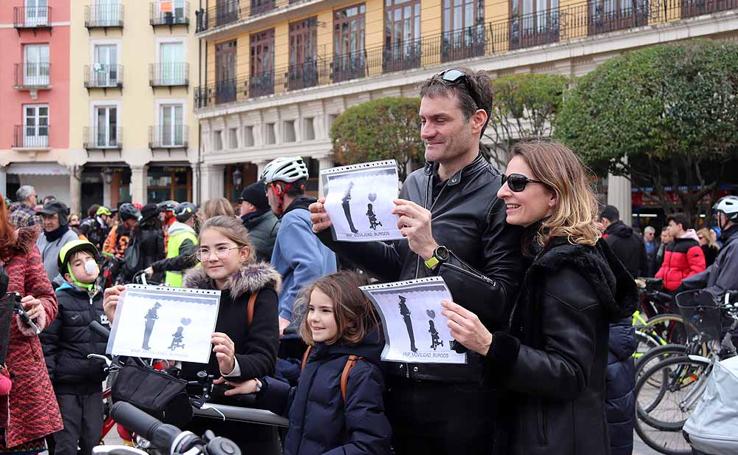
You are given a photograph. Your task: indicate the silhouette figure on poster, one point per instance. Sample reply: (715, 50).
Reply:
(346, 204)
(177, 339)
(373, 221)
(405, 312)
(435, 337)
(151, 317)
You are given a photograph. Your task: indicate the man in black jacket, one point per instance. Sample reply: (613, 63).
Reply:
(455, 228)
(626, 244)
(259, 220)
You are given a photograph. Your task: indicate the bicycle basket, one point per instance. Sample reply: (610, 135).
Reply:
(701, 314)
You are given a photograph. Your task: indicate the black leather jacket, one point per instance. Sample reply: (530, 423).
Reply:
(469, 220)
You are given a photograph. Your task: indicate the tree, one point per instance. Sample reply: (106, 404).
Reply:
(381, 129)
(524, 106)
(666, 117)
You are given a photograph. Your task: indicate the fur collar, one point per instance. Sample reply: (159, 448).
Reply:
(250, 278)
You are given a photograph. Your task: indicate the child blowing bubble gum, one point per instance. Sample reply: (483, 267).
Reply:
(337, 406)
(77, 380)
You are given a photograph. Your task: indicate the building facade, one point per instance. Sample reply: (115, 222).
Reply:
(132, 130)
(34, 97)
(274, 74)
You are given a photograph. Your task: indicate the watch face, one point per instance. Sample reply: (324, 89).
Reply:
(441, 253)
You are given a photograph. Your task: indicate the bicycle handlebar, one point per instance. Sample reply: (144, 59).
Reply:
(161, 435)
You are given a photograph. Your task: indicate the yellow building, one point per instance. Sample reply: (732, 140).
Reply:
(274, 74)
(132, 131)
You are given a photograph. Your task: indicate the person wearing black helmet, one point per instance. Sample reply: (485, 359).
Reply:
(120, 236)
(56, 235)
(77, 379)
(147, 244)
(181, 246)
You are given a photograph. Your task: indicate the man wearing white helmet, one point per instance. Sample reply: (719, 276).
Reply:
(722, 275)
(298, 255)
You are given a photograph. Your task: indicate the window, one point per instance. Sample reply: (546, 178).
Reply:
(105, 13)
(331, 118)
(348, 43)
(232, 138)
(289, 131)
(401, 35)
(225, 72)
(610, 15)
(226, 12)
(36, 125)
(248, 136)
(172, 67)
(262, 6)
(270, 136)
(533, 23)
(217, 140)
(261, 81)
(463, 29)
(36, 65)
(171, 11)
(303, 70)
(308, 128)
(171, 123)
(37, 12)
(105, 67)
(105, 131)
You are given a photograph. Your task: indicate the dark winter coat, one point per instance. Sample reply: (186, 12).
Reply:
(30, 411)
(683, 258)
(553, 359)
(262, 227)
(320, 421)
(628, 247)
(722, 275)
(148, 240)
(256, 343)
(467, 218)
(69, 340)
(620, 387)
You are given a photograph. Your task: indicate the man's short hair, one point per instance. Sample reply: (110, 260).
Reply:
(23, 192)
(479, 82)
(296, 188)
(650, 229)
(680, 218)
(611, 213)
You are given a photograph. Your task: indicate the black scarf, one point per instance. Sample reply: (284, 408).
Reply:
(56, 234)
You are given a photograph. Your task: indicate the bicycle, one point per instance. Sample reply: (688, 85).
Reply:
(670, 389)
(654, 322)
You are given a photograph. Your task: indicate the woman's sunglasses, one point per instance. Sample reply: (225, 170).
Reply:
(517, 182)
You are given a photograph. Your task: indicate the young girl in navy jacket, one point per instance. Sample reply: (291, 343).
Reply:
(341, 328)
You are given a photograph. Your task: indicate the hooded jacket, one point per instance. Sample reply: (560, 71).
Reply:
(683, 258)
(628, 247)
(722, 275)
(256, 343)
(263, 227)
(298, 255)
(620, 397)
(69, 340)
(50, 253)
(553, 359)
(320, 420)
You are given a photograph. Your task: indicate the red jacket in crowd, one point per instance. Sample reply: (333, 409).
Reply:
(683, 258)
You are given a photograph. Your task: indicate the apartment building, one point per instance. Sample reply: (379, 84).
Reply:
(34, 97)
(132, 129)
(274, 74)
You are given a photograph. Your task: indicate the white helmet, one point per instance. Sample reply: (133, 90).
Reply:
(288, 169)
(728, 205)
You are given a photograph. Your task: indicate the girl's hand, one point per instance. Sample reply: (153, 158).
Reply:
(466, 328)
(33, 306)
(225, 352)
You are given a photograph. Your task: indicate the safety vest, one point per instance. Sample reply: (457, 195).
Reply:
(174, 279)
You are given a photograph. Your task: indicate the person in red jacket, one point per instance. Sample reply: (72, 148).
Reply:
(683, 256)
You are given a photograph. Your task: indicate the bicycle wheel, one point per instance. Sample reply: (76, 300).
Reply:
(645, 342)
(665, 328)
(665, 396)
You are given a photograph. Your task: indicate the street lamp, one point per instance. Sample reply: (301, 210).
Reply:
(237, 178)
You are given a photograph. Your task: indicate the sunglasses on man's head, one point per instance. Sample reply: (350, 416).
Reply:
(517, 182)
(454, 77)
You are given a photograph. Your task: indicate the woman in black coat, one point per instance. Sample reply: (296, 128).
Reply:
(552, 359)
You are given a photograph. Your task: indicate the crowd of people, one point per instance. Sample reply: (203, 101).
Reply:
(542, 282)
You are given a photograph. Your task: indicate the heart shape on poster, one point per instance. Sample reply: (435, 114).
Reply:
(185, 321)
(431, 314)
(372, 197)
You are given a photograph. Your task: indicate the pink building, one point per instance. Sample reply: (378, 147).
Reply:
(34, 96)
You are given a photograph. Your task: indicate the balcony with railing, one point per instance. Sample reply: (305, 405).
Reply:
(104, 16)
(491, 39)
(107, 138)
(33, 17)
(168, 136)
(32, 76)
(169, 13)
(222, 13)
(102, 75)
(169, 74)
(31, 136)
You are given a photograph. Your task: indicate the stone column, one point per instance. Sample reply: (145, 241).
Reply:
(325, 162)
(138, 183)
(619, 195)
(260, 168)
(212, 182)
(107, 191)
(4, 182)
(75, 189)
(196, 181)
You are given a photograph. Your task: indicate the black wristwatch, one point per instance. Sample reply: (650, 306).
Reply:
(440, 255)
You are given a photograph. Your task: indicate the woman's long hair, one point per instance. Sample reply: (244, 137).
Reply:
(8, 236)
(573, 217)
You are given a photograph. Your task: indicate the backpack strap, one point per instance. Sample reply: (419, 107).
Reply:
(350, 363)
(250, 308)
(305, 356)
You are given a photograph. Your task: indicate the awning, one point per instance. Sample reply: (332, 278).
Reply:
(37, 169)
